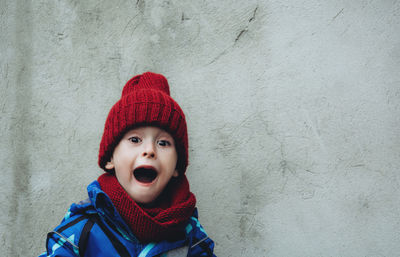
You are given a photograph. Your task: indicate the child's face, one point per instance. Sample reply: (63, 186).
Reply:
(144, 162)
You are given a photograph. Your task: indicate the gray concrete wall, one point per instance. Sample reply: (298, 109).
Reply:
(293, 110)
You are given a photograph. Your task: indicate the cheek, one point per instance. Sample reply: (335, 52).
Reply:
(172, 161)
(123, 162)
(123, 154)
(168, 160)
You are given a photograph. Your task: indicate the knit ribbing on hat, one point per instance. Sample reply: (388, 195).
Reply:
(165, 221)
(147, 80)
(145, 101)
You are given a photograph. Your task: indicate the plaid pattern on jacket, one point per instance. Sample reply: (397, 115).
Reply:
(94, 228)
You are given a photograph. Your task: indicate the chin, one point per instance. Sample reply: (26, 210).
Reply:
(144, 199)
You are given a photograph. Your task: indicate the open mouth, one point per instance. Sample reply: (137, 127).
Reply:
(145, 175)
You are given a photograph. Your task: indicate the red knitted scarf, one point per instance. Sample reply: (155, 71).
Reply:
(163, 221)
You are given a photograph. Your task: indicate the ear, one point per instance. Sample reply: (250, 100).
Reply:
(110, 165)
(175, 174)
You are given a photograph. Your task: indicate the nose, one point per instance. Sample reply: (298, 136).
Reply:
(149, 150)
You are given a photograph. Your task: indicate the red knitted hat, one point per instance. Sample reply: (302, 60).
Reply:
(145, 101)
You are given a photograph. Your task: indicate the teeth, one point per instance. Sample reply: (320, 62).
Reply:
(145, 175)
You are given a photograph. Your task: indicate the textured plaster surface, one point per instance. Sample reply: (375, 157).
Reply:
(293, 110)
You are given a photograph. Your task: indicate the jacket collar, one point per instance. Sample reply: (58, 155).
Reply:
(105, 208)
(99, 202)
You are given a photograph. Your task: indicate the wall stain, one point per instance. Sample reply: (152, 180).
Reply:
(129, 23)
(184, 18)
(20, 126)
(140, 4)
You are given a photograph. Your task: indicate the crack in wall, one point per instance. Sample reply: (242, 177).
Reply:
(241, 33)
(340, 12)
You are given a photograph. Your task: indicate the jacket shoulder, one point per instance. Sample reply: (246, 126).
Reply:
(65, 238)
(199, 242)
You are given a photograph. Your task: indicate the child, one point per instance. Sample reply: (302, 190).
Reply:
(142, 205)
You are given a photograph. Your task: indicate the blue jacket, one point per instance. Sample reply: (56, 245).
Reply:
(94, 228)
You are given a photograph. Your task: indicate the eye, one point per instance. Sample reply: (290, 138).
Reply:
(135, 139)
(164, 143)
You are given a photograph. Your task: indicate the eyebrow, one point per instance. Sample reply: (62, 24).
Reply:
(166, 134)
(131, 132)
